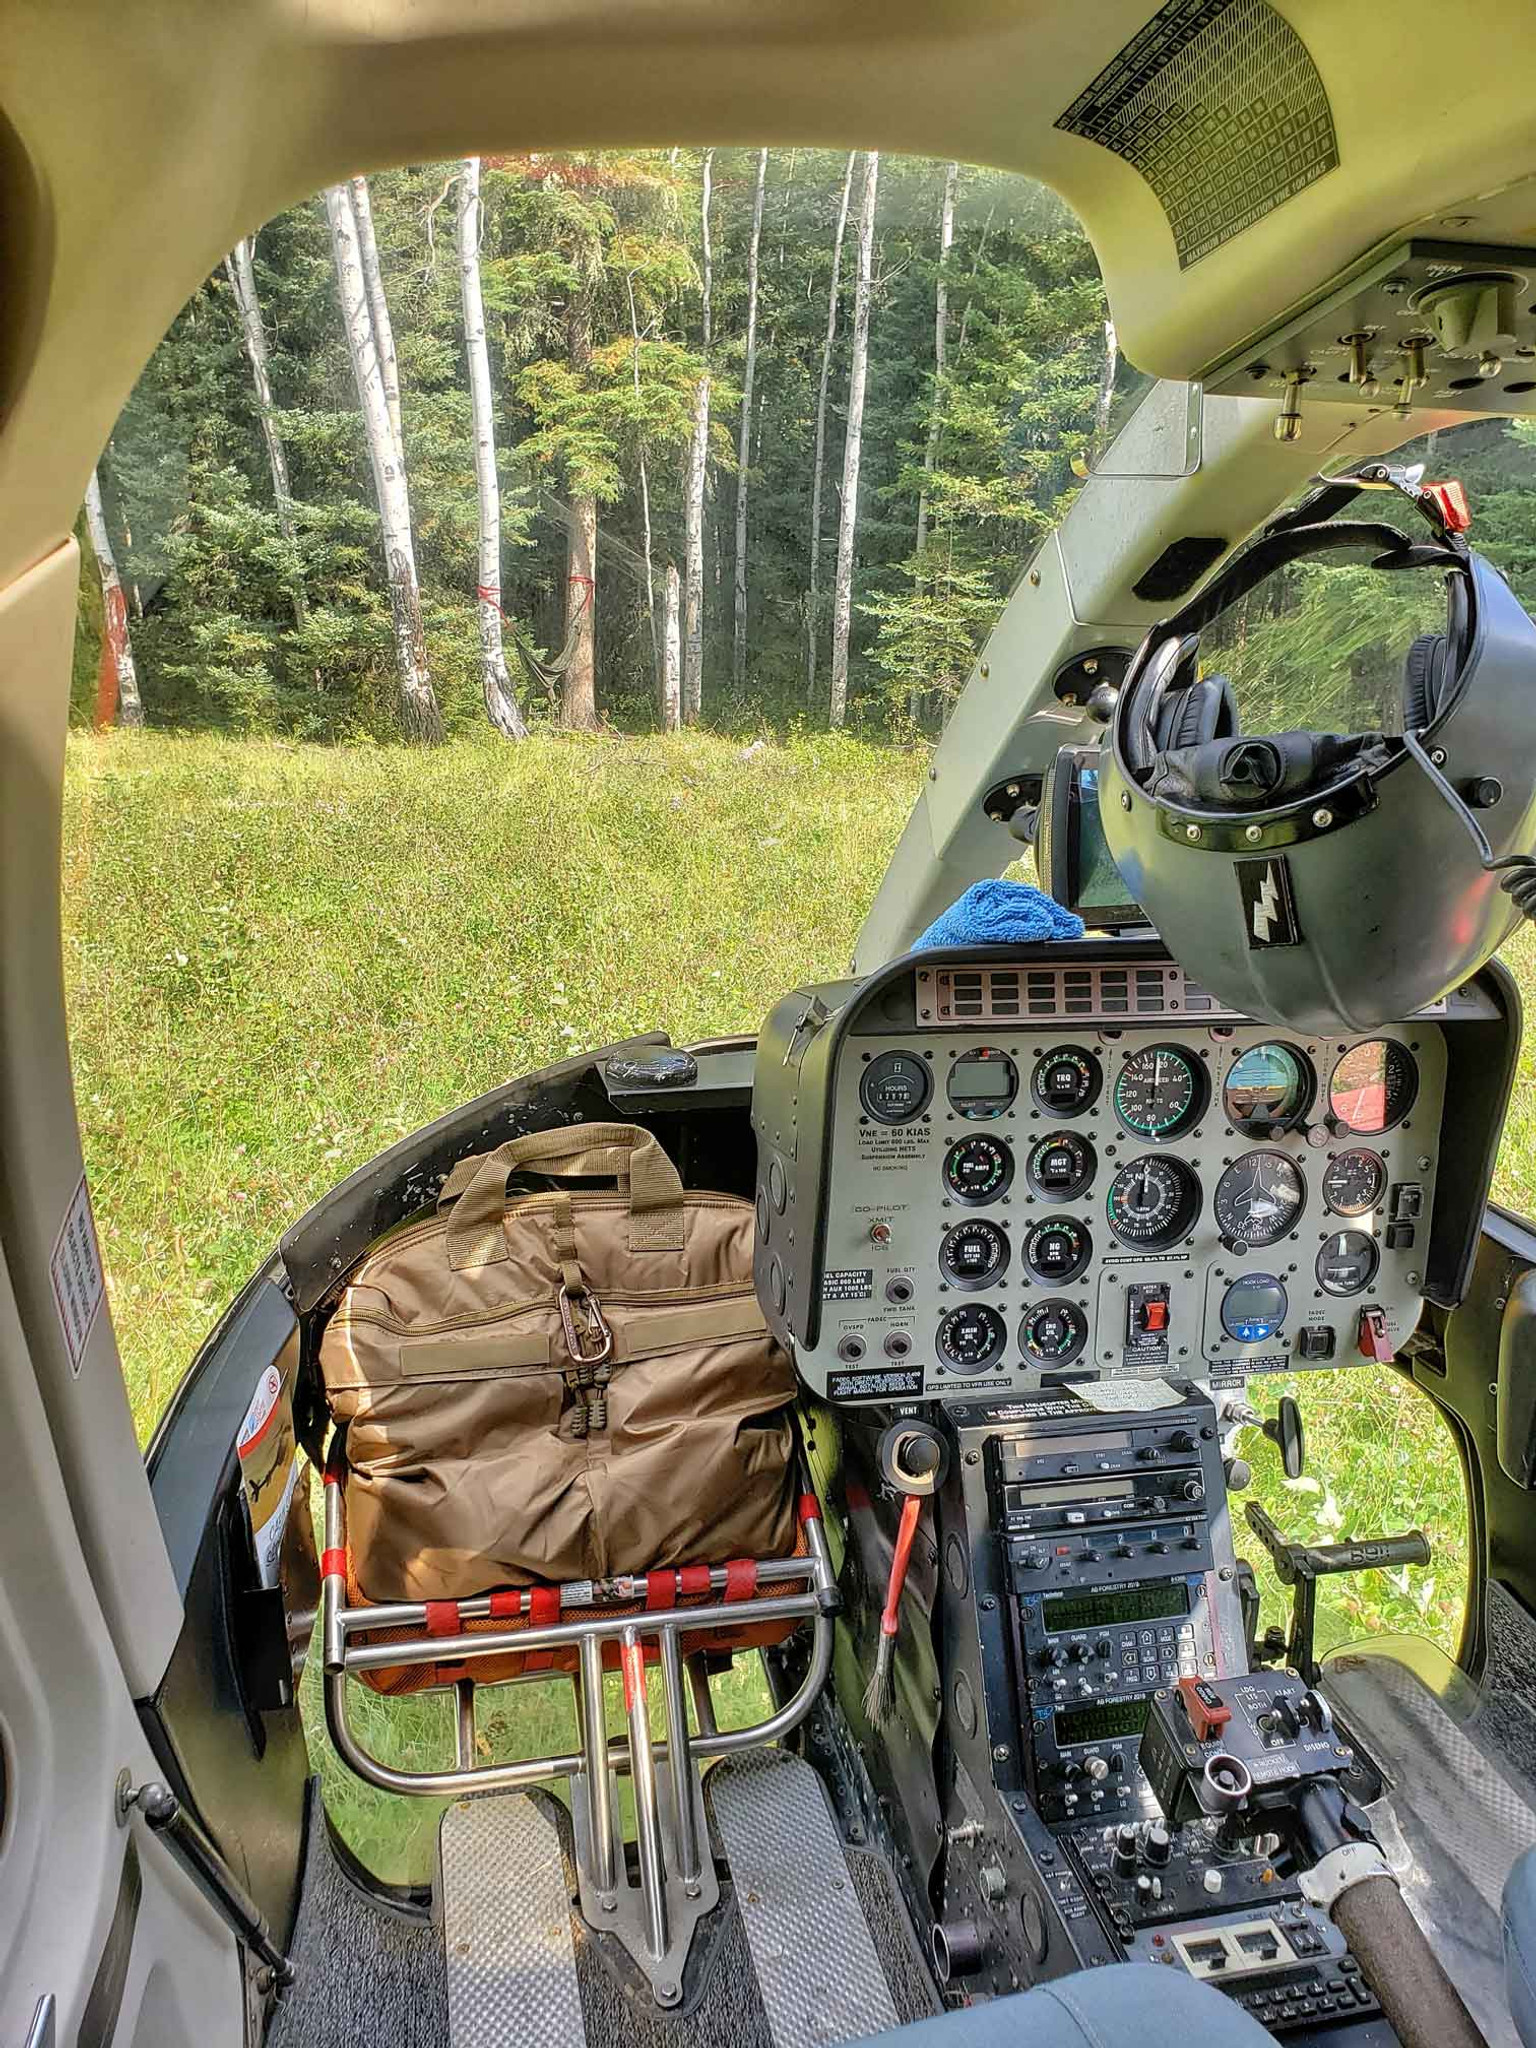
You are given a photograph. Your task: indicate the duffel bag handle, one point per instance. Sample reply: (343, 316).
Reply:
(476, 1190)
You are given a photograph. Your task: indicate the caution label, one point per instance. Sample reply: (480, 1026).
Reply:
(79, 1285)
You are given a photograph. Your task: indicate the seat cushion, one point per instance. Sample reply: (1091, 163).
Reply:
(1520, 1945)
(1130, 2005)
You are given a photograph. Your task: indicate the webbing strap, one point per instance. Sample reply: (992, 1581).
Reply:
(442, 1617)
(476, 1189)
(740, 1578)
(544, 1606)
(506, 1606)
(660, 1590)
(692, 1580)
(333, 1564)
(649, 1334)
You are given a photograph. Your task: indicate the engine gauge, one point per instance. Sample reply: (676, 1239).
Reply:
(1258, 1199)
(974, 1254)
(982, 1083)
(1253, 1308)
(1160, 1091)
(972, 1338)
(1057, 1250)
(1061, 1168)
(895, 1087)
(1268, 1089)
(1373, 1086)
(978, 1169)
(1347, 1262)
(1053, 1333)
(1153, 1201)
(1066, 1081)
(1355, 1182)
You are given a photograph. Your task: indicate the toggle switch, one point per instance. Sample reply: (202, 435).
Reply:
(1374, 1343)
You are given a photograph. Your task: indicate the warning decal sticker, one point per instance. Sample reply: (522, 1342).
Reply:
(78, 1281)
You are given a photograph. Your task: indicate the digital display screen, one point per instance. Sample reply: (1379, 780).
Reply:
(1162, 1602)
(983, 1077)
(1103, 1723)
(1049, 1496)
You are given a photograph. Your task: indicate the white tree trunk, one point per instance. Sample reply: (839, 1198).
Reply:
(744, 443)
(378, 308)
(419, 714)
(1106, 398)
(940, 341)
(578, 696)
(671, 652)
(130, 708)
(645, 480)
(818, 470)
(693, 494)
(241, 271)
(842, 597)
(501, 706)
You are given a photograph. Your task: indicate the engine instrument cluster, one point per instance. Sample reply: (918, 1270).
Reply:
(1156, 1196)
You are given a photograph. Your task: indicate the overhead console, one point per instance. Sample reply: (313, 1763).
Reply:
(981, 1174)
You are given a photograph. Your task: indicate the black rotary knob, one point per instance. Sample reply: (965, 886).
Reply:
(1192, 1488)
(1159, 1844)
(1127, 1846)
(1181, 1440)
(1077, 1652)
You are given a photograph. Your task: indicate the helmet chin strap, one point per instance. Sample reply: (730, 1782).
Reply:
(1516, 871)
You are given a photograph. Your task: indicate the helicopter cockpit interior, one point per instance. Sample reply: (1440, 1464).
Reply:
(914, 1348)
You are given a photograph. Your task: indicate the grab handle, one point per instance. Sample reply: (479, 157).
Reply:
(476, 1190)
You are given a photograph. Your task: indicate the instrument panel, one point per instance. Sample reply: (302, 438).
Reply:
(1008, 1204)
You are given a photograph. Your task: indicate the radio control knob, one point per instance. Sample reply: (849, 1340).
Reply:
(1192, 1488)
(1097, 1769)
(1127, 1846)
(1143, 1889)
(1159, 1844)
(1148, 1454)
(1034, 1561)
(1181, 1440)
(1157, 1550)
(1077, 1652)
(1052, 1658)
(1124, 1550)
(1103, 1647)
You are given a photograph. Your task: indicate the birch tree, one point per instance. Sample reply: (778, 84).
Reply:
(130, 710)
(501, 706)
(671, 652)
(693, 491)
(842, 597)
(940, 341)
(578, 696)
(241, 271)
(378, 308)
(645, 479)
(1106, 393)
(818, 468)
(419, 715)
(744, 443)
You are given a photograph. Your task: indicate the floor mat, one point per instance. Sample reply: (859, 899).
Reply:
(365, 1977)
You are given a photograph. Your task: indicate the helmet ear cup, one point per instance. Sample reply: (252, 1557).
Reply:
(1204, 709)
(1423, 680)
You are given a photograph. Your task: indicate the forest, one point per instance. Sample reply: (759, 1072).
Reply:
(746, 437)
(753, 439)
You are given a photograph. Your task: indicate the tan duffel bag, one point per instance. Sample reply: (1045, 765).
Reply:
(560, 1386)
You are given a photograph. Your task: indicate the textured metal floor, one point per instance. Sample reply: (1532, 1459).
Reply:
(506, 1918)
(1453, 1821)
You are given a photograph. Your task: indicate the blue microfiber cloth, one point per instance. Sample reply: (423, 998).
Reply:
(1000, 914)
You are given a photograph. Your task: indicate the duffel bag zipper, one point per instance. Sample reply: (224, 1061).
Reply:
(660, 1297)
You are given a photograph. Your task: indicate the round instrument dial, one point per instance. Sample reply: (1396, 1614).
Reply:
(1347, 1262)
(1355, 1182)
(1258, 1199)
(974, 1254)
(1053, 1333)
(1061, 1168)
(1373, 1086)
(1253, 1308)
(895, 1087)
(1268, 1089)
(1066, 1081)
(1160, 1091)
(1153, 1201)
(978, 1169)
(1057, 1250)
(982, 1083)
(972, 1338)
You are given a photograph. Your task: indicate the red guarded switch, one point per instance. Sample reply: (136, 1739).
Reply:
(1154, 1316)
(1208, 1712)
(1374, 1343)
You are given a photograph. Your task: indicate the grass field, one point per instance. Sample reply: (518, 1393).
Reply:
(281, 958)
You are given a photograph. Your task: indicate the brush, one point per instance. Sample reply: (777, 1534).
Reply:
(881, 1688)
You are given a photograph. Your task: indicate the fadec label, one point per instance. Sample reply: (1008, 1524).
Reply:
(79, 1284)
(892, 1383)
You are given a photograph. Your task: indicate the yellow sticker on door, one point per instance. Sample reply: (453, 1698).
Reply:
(78, 1282)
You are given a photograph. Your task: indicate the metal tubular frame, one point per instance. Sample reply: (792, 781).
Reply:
(677, 1879)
